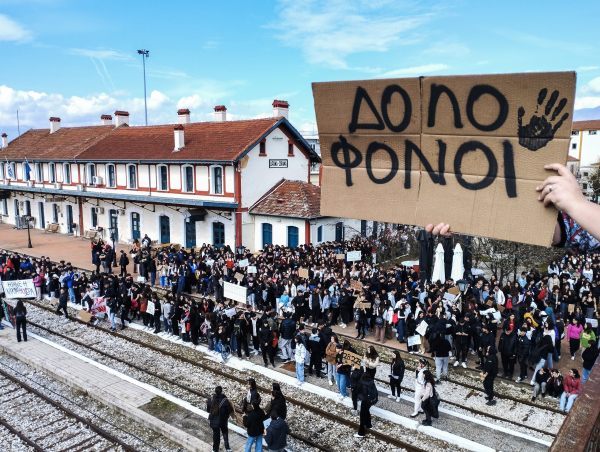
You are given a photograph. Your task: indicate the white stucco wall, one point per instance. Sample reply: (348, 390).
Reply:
(589, 146)
(280, 230)
(257, 177)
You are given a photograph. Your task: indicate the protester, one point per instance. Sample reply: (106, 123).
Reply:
(572, 387)
(589, 356)
(371, 360)
(368, 396)
(253, 421)
(490, 371)
(21, 320)
(427, 398)
(419, 385)
(219, 409)
(276, 433)
(300, 357)
(540, 382)
(396, 375)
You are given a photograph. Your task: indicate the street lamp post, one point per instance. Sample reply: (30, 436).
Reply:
(145, 54)
(114, 252)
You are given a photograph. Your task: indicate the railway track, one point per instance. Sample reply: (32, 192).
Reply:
(322, 413)
(46, 425)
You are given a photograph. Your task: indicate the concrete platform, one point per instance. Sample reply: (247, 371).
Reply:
(120, 392)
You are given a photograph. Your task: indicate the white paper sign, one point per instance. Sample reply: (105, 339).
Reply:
(449, 296)
(150, 308)
(243, 263)
(352, 256)
(23, 288)
(422, 328)
(141, 279)
(230, 312)
(414, 340)
(210, 263)
(593, 322)
(251, 269)
(234, 292)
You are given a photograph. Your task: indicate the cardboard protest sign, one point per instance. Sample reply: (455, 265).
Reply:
(363, 305)
(238, 276)
(356, 285)
(303, 272)
(454, 290)
(22, 288)
(413, 150)
(54, 301)
(353, 256)
(351, 359)
(84, 316)
(340, 257)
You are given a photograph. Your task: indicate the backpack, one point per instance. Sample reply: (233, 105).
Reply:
(370, 394)
(357, 315)
(275, 339)
(379, 321)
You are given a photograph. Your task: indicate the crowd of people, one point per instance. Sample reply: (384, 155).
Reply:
(291, 318)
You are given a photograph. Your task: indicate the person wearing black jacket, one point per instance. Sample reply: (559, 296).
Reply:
(265, 336)
(63, 298)
(219, 409)
(240, 331)
(366, 385)
(441, 348)
(20, 320)
(276, 433)
(397, 369)
(461, 341)
(490, 371)
(523, 347)
(487, 339)
(123, 263)
(157, 313)
(507, 346)
(345, 303)
(253, 421)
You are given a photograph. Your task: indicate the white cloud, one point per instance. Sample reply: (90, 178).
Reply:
(587, 102)
(101, 54)
(12, 31)
(417, 70)
(587, 68)
(448, 48)
(328, 32)
(592, 87)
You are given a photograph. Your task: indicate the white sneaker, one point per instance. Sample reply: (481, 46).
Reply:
(464, 365)
(518, 379)
(456, 364)
(356, 435)
(330, 383)
(572, 358)
(341, 397)
(397, 399)
(391, 397)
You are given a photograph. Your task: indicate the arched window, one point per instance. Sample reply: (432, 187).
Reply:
(131, 176)
(188, 178)
(111, 180)
(339, 231)
(52, 172)
(267, 234)
(163, 177)
(292, 236)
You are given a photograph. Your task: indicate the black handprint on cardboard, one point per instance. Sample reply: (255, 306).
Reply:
(539, 132)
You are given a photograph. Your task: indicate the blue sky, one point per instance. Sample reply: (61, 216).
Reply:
(77, 60)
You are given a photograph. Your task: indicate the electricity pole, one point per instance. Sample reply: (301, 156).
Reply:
(145, 54)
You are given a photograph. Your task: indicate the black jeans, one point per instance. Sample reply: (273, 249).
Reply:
(427, 413)
(267, 350)
(354, 397)
(488, 385)
(157, 323)
(124, 317)
(508, 364)
(242, 341)
(395, 386)
(217, 438)
(523, 366)
(64, 308)
(365, 418)
(21, 325)
(316, 362)
(461, 352)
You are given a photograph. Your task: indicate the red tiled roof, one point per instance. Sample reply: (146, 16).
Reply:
(203, 141)
(65, 143)
(290, 198)
(594, 124)
(572, 159)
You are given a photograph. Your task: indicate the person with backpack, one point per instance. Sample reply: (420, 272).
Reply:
(397, 369)
(589, 356)
(380, 324)
(20, 320)
(368, 397)
(240, 332)
(219, 409)
(429, 399)
(315, 347)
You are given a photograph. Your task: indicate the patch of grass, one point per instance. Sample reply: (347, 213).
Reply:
(159, 406)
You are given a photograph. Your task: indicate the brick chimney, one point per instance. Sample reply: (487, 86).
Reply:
(220, 113)
(122, 117)
(281, 108)
(54, 124)
(183, 116)
(4, 140)
(179, 141)
(106, 120)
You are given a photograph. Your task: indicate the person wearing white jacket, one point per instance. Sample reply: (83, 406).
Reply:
(300, 357)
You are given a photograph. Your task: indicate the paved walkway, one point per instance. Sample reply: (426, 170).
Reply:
(111, 388)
